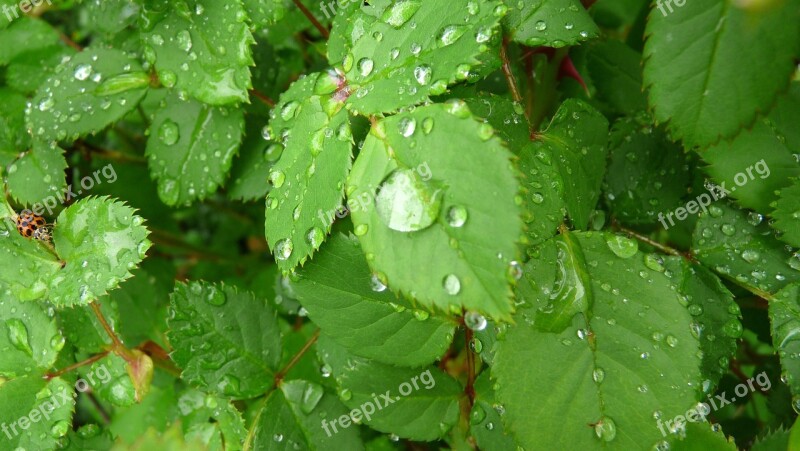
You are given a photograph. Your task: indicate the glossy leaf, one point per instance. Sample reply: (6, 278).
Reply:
(202, 47)
(692, 65)
(308, 179)
(92, 90)
(356, 309)
(550, 23)
(235, 354)
(417, 211)
(38, 175)
(100, 242)
(191, 147)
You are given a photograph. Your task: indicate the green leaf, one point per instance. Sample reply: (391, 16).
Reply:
(294, 417)
(112, 16)
(38, 175)
(250, 170)
(739, 246)
(83, 329)
(26, 266)
(115, 385)
(576, 138)
(398, 54)
(264, 12)
(716, 314)
(545, 208)
(191, 148)
(99, 241)
(626, 362)
(308, 179)
(752, 178)
(616, 71)
(25, 402)
(29, 339)
(354, 308)
(234, 354)
(211, 420)
(25, 35)
(422, 403)
(202, 47)
(777, 440)
(93, 90)
(485, 420)
(507, 118)
(14, 138)
(648, 175)
(421, 212)
(784, 316)
(693, 69)
(787, 214)
(30, 70)
(549, 23)
(702, 437)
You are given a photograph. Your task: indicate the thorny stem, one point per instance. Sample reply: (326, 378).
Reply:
(285, 370)
(262, 97)
(322, 30)
(118, 347)
(75, 366)
(512, 82)
(470, 388)
(70, 42)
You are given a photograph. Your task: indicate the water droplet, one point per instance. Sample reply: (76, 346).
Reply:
(450, 34)
(477, 415)
(18, 335)
(475, 321)
(401, 12)
(283, 249)
(451, 284)
(377, 284)
(82, 72)
(457, 216)
(168, 132)
(365, 66)
(750, 256)
(407, 126)
(289, 111)
(406, 203)
(277, 178)
(311, 397)
(540, 25)
(422, 74)
(476, 345)
(598, 375)
(361, 229)
(315, 236)
(605, 429)
(621, 246)
(733, 328)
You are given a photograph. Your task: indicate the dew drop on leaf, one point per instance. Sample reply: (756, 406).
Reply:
(475, 321)
(18, 335)
(406, 203)
(451, 284)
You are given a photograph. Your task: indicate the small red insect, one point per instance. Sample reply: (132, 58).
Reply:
(30, 225)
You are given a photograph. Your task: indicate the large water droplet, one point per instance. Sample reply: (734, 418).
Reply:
(82, 72)
(451, 284)
(475, 321)
(18, 335)
(169, 133)
(621, 246)
(283, 249)
(457, 216)
(605, 429)
(401, 12)
(450, 34)
(406, 203)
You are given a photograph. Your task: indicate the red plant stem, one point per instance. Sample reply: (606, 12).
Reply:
(322, 30)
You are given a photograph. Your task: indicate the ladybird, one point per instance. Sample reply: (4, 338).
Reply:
(28, 224)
